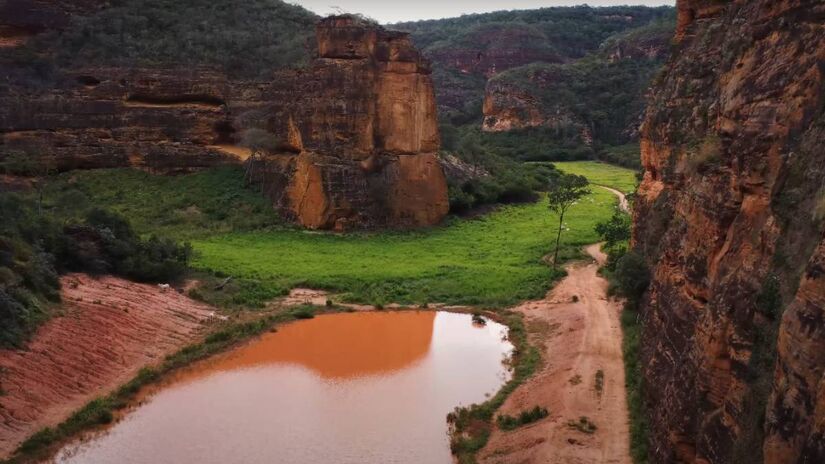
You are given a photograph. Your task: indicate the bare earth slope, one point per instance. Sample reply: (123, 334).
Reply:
(109, 329)
(577, 339)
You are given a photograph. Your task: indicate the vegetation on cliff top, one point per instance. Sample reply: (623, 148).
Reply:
(572, 31)
(252, 41)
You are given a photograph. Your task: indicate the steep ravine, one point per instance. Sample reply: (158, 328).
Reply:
(730, 216)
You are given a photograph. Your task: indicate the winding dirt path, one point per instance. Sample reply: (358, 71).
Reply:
(109, 329)
(578, 330)
(623, 203)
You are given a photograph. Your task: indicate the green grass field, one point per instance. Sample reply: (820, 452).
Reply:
(619, 178)
(494, 260)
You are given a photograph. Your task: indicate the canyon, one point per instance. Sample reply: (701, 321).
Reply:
(729, 216)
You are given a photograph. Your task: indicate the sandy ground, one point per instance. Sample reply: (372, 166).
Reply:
(108, 330)
(578, 339)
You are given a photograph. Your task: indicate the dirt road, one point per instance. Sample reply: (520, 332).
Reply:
(624, 205)
(582, 380)
(108, 330)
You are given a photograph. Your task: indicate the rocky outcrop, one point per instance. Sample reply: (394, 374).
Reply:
(356, 131)
(731, 218)
(367, 130)
(497, 47)
(509, 106)
(164, 120)
(600, 97)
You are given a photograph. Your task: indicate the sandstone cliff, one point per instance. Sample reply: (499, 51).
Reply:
(730, 216)
(364, 135)
(356, 130)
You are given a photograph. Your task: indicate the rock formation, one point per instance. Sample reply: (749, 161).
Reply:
(357, 130)
(364, 135)
(573, 97)
(731, 218)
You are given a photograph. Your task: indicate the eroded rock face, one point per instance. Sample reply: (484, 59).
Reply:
(731, 216)
(164, 120)
(357, 129)
(366, 118)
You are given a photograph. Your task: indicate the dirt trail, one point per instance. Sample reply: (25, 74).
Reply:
(109, 329)
(579, 333)
(623, 203)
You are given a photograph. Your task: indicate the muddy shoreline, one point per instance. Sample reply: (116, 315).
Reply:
(167, 364)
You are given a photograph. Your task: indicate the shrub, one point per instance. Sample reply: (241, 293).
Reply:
(614, 230)
(613, 256)
(506, 422)
(633, 276)
(34, 248)
(583, 425)
(769, 300)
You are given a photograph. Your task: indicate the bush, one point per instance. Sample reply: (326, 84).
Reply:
(502, 180)
(613, 256)
(614, 230)
(34, 249)
(506, 422)
(632, 276)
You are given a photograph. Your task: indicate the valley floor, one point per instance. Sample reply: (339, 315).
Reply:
(582, 381)
(98, 343)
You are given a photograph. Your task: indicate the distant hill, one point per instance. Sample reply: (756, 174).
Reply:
(574, 78)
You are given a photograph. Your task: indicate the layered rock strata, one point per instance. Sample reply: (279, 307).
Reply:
(731, 218)
(356, 131)
(364, 137)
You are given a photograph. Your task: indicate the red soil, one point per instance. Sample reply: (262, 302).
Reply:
(108, 330)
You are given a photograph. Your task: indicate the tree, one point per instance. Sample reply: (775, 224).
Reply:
(615, 230)
(633, 276)
(564, 192)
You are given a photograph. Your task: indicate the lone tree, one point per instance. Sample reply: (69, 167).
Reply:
(564, 192)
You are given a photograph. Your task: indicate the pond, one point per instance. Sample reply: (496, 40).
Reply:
(364, 387)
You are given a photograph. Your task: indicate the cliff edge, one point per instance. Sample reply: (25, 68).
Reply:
(730, 216)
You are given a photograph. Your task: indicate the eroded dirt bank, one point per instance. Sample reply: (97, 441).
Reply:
(578, 331)
(109, 328)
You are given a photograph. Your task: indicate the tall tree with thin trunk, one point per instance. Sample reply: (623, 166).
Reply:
(565, 190)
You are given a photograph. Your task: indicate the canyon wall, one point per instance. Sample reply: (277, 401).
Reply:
(730, 217)
(355, 133)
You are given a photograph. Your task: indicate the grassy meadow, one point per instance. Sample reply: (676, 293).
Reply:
(494, 260)
(616, 177)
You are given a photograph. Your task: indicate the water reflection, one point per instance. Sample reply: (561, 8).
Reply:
(344, 388)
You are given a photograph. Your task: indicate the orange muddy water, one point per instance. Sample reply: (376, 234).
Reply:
(366, 387)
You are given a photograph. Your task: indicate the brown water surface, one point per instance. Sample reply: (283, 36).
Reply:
(370, 387)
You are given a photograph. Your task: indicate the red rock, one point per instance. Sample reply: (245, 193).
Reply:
(727, 217)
